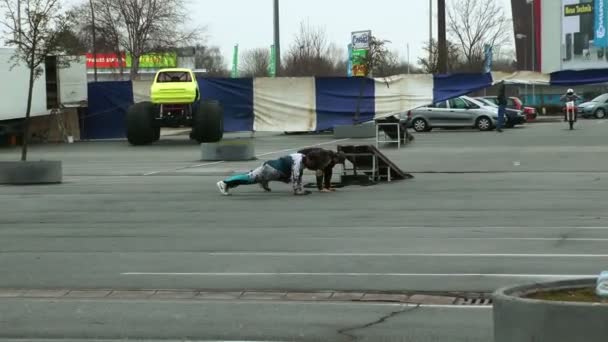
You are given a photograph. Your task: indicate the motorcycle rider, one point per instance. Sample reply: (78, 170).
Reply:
(570, 96)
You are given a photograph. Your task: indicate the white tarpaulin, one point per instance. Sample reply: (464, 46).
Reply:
(521, 77)
(284, 104)
(141, 91)
(398, 94)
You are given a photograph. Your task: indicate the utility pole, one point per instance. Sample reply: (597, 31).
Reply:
(430, 32)
(442, 39)
(277, 37)
(18, 21)
(531, 3)
(94, 40)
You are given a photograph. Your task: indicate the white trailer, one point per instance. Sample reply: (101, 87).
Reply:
(61, 85)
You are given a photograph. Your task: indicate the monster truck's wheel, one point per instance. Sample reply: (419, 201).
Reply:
(141, 128)
(208, 123)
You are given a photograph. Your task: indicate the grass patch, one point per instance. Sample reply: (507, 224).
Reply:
(584, 295)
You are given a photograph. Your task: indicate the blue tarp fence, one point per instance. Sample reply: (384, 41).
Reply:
(333, 101)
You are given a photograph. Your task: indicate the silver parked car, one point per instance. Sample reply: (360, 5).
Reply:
(598, 107)
(460, 112)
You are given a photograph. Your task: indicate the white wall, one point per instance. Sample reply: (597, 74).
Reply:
(551, 32)
(14, 88)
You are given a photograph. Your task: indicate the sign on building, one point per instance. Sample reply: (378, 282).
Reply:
(360, 44)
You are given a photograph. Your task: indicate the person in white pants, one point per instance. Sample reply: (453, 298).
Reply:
(287, 169)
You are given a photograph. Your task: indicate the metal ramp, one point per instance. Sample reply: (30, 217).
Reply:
(367, 161)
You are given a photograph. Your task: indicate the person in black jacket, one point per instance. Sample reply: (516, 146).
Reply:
(325, 161)
(502, 107)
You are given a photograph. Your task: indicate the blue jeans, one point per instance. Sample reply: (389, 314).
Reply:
(501, 116)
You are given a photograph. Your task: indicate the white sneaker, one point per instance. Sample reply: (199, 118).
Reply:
(223, 188)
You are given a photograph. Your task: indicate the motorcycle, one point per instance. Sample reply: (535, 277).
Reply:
(571, 113)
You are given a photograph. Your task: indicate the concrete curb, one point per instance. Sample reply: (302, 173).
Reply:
(30, 172)
(522, 319)
(229, 150)
(254, 295)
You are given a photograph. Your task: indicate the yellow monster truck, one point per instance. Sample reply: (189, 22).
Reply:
(175, 102)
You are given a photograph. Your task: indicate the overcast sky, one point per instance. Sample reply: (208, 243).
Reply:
(249, 22)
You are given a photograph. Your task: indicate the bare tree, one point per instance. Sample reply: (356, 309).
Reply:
(107, 28)
(69, 42)
(376, 58)
(210, 59)
(392, 65)
(311, 54)
(432, 66)
(35, 35)
(474, 24)
(140, 27)
(377, 55)
(255, 63)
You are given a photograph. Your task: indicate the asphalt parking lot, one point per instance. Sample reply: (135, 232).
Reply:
(483, 211)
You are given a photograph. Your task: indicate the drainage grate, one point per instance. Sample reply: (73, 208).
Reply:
(474, 301)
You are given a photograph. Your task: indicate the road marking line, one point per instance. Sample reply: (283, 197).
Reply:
(479, 227)
(330, 274)
(440, 255)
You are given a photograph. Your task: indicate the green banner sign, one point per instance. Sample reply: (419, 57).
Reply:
(235, 62)
(155, 60)
(272, 66)
(359, 59)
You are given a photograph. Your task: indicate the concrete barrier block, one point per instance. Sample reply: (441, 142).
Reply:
(517, 318)
(229, 150)
(30, 172)
(362, 131)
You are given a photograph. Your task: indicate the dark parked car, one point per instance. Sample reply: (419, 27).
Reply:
(514, 117)
(515, 103)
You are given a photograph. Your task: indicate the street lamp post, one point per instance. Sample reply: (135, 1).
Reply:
(430, 32)
(441, 37)
(277, 38)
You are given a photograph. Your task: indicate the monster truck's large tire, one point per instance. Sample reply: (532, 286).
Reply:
(208, 123)
(141, 126)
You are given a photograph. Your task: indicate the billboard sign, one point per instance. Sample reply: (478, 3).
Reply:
(584, 40)
(361, 40)
(106, 61)
(360, 44)
(155, 60)
(359, 65)
(148, 61)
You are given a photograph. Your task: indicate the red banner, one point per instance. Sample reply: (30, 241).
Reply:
(106, 61)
